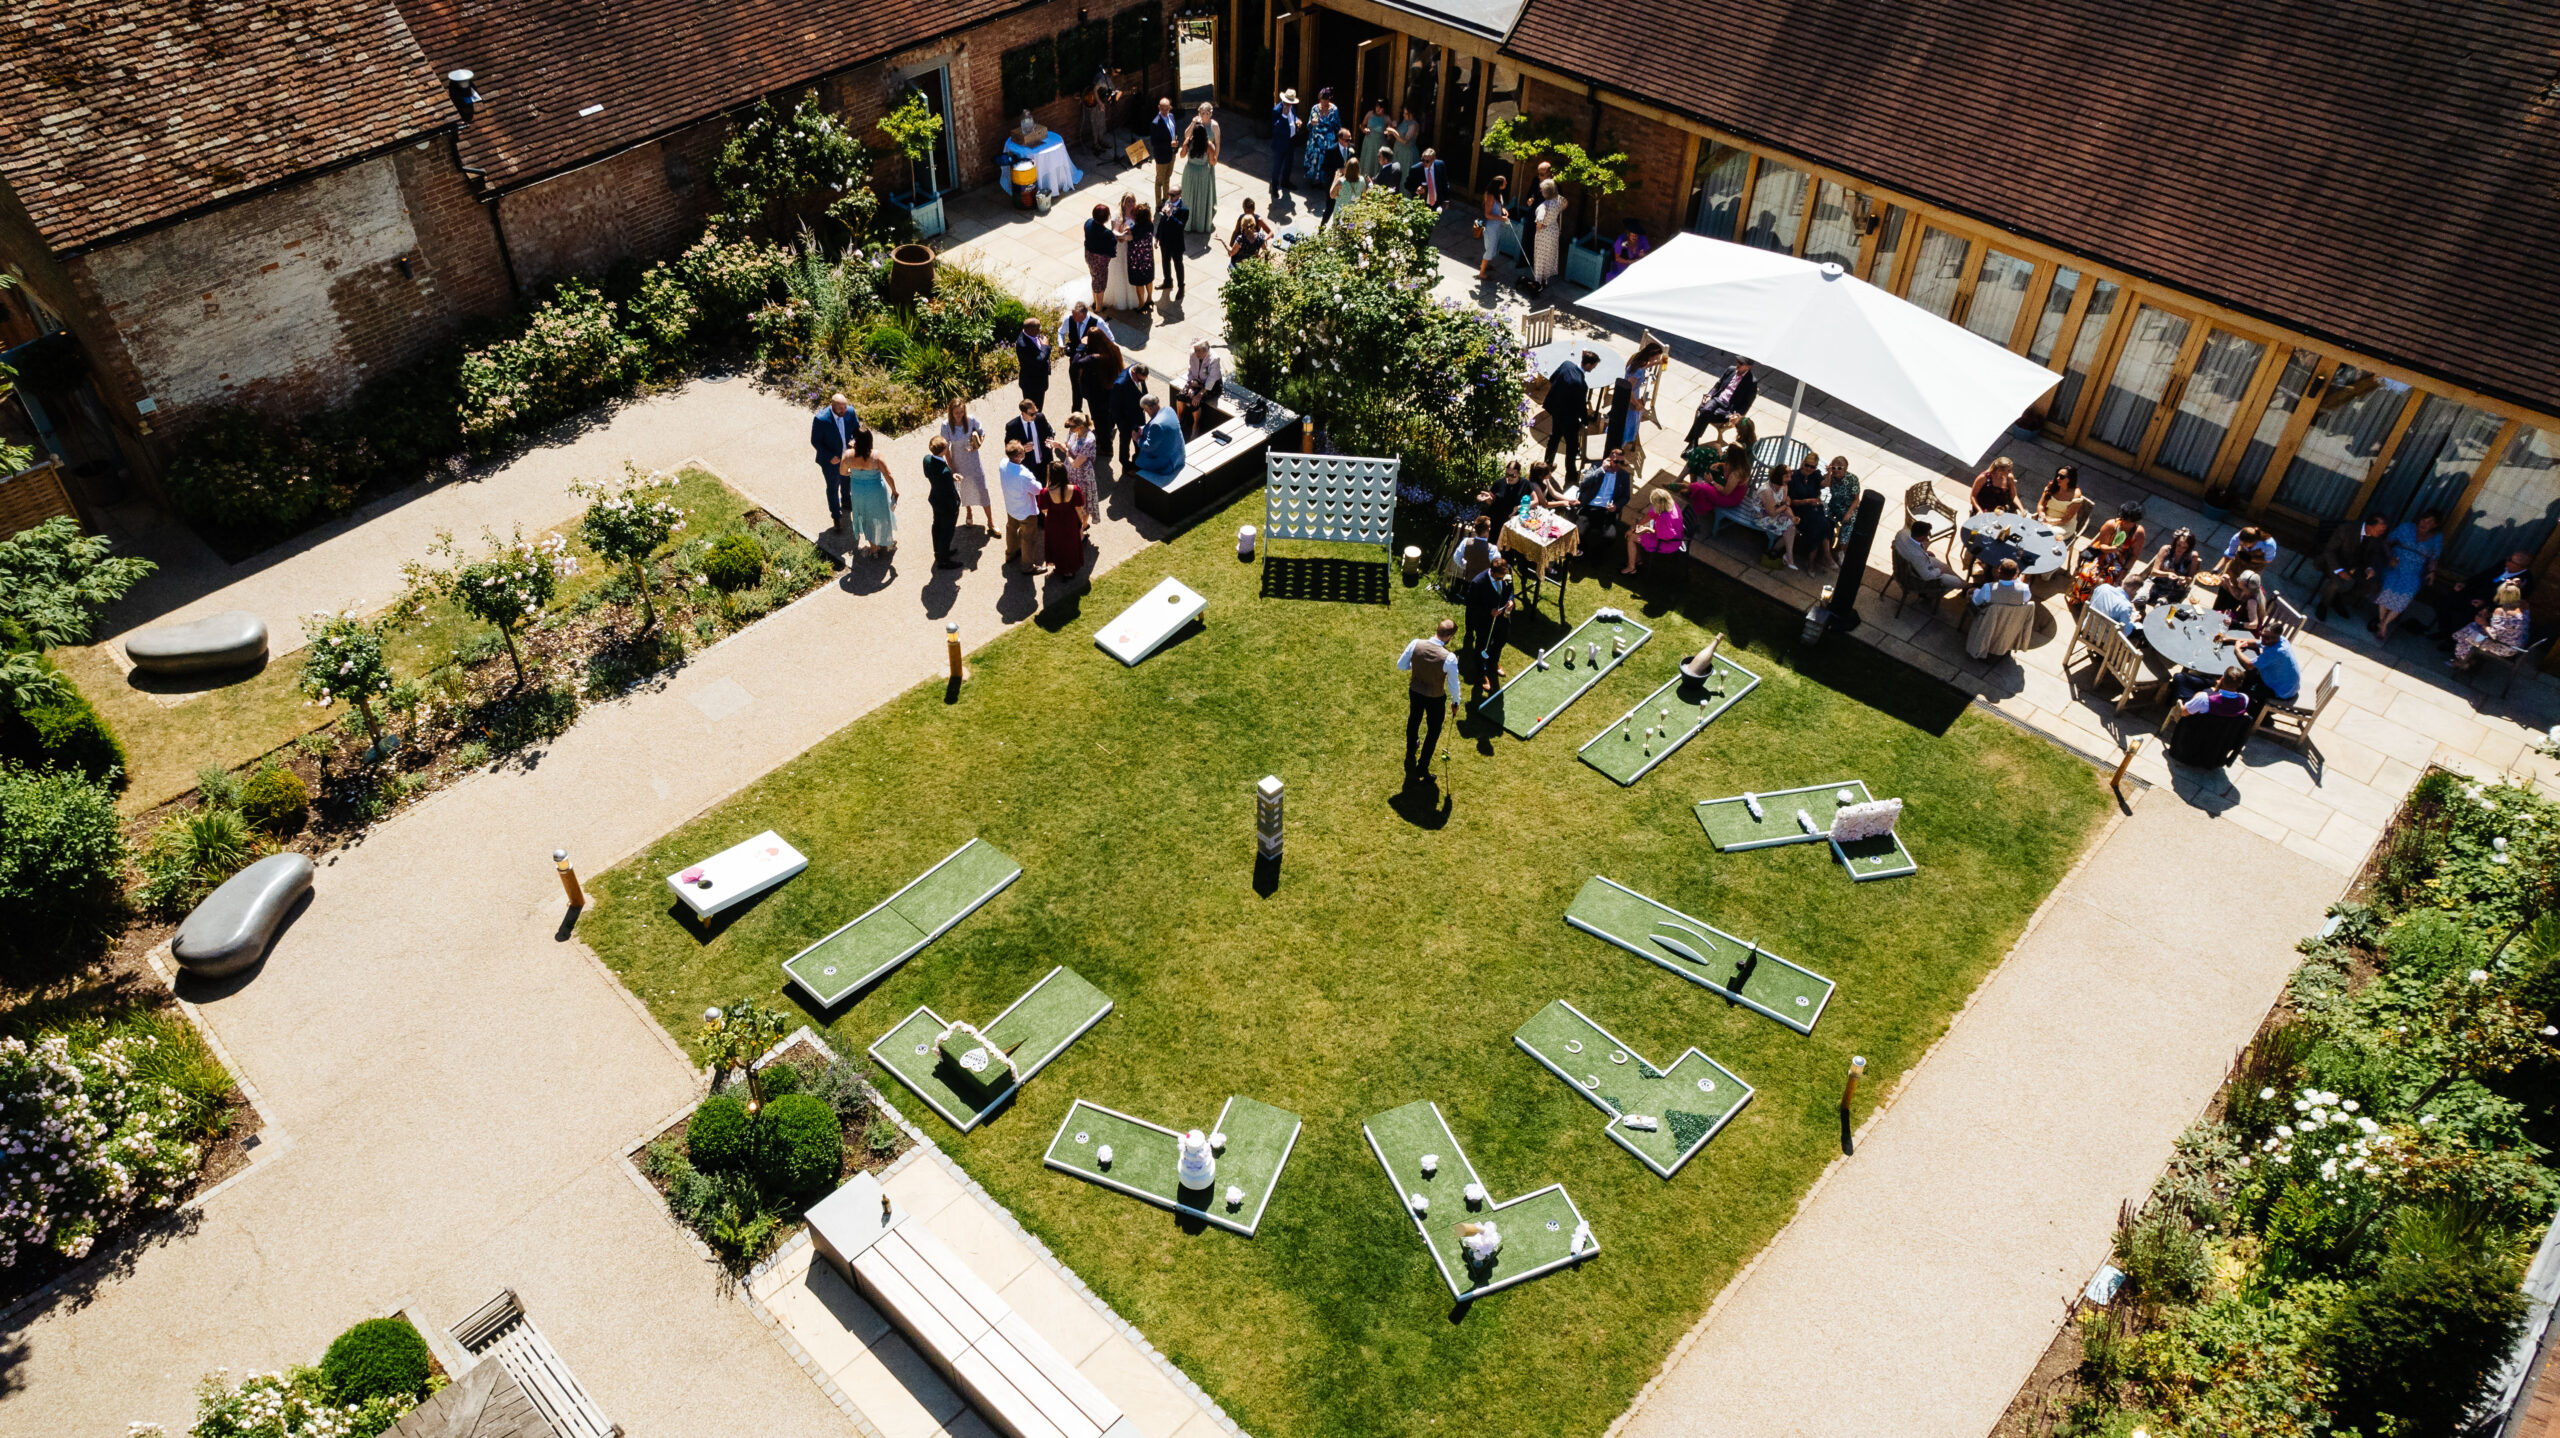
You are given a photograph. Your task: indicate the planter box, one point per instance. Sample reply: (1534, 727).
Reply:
(1221, 460)
(1582, 264)
(926, 215)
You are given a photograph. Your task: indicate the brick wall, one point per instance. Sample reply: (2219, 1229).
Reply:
(290, 301)
(1656, 188)
(646, 203)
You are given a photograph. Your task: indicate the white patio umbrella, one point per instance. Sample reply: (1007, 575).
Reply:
(1940, 383)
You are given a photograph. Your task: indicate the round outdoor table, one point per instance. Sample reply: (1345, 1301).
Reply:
(2191, 636)
(1543, 360)
(1776, 452)
(2042, 551)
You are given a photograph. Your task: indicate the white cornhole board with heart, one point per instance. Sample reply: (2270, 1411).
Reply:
(737, 874)
(1143, 627)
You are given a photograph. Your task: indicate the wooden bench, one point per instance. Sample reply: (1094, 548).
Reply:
(987, 1351)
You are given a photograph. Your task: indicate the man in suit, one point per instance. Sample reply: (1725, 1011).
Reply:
(1031, 359)
(2351, 564)
(1160, 450)
(1284, 142)
(1568, 404)
(1173, 217)
(831, 432)
(1429, 181)
(1728, 401)
(1327, 169)
(1389, 175)
(1606, 488)
(1162, 134)
(1076, 333)
(1032, 430)
(1128, 411)
(1489, 604)
(2468, 601)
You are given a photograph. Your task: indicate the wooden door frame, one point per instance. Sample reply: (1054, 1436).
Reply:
(2390, 449)
(2461, 508)
(2102, 360)
(1359, 63)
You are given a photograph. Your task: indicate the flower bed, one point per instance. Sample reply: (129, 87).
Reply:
(372, 1376)
(2337, 1246)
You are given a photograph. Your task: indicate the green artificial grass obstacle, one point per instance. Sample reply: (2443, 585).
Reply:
(1736, 968)
(1731, 827)
(1541, 1230)
(1143, 1156)
(1534, 696)
(1640, 739)
(1033, 1030)
(900, 926)
(1689, 1101)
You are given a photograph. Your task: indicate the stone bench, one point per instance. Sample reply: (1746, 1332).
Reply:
(1021, 1385)
(232, 927)
(232, 639)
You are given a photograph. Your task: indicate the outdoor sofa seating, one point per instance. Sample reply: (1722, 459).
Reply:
(233, 639)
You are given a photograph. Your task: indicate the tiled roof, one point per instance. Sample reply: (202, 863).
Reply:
(564, 81)
(2381, 171)
(117, 113)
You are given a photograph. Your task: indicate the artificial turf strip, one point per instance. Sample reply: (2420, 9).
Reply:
(1144, 1157)
(1690, 1101)
(1730, 827)
(1534, 696)
(1680, 710)
(1537, 1228)
(897, 928)
(1391, 955)
(1034, 1029)
(1700, 952)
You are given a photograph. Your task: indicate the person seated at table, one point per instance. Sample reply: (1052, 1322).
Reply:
(1548, 487)
(2117, 607)
(2111, 554)
(2062, 505)
(1996, 488)
(2212, 722)
(2243, 602)
(1717, 486)
(2004, 614)
(1840, 500)
(2172, 571)
(1808, 499)
(2251, 549)
(1503, 500)
(1606, 488)
(2224, 694)
(1632, 245)
(2468, 600)
(2351, 566)
(1659, 532)
(1921, 569)
(2270, 669)
(1475, 551)
(1768, 511)
(1723, 405)
(2504, 632)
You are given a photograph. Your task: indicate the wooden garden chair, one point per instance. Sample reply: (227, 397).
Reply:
(1537, 327)
(2292, 723)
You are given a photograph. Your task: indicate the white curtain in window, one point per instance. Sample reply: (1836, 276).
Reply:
(2271, 422)
(1832, 238)
(1999, 292)
(2084, 348)
(1888, 247)
(1938, 274)
(1777, 208)
(2057, 308)
(1717, 196)
(2518, 504)
(2341, 443)
(2224, 368)
(2438, 454)
(2142, 376)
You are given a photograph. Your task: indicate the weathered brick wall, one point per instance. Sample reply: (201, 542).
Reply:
(290, 301)
(1656, 188)
(646, 203)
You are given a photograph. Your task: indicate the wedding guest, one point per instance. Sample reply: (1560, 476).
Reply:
(2351, 565)
(1659, 532)
(1077, 336)
(1030, 429)
(1408, 139)
(1101, 252)
(1252, 236)
(1324, 170)
(2112, 552)
(1021, 489)
(2251, 548)
(1568, 404)
(1550, 486)
(2415, 547)
(1161, 452)
(1631, 245)
(1062, 524)
(1934, 580)
(2004, 614)
(2244, 601)
(1128, 409)
(2172, 572)
(943, 498)
(1725, 404)
(1473, 553)
(1373, 131)
(1324, 135)
(1428, 180)
(1200, 169)
(1492, 592)
(962, 438)
(1121, 294)
(1497, 218)
(1606, 489)
(1504, 499)
(1546, 220)
(1841, 495)
(2463, 603)
(2271, 671)
(1171, 223)
(870, 496)
(1808, 499)
(1284, 142)
(1103, 365)
(1714, 486)
(1434, 665)
(1345, 190)
(1204, 382)
(1163, 133)
(1996, 488)
(1031, 360)
(2062, 505)
(831, 432)
(1771, 514)
(2503, 632)
(1075, 449)
(1139, 244)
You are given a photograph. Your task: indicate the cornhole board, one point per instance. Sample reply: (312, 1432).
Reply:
(1620, 750)
(1546, 1220)
(1742, 971)
(736, 874)
(1730, 827)
(1691, 1100)
(898, 927)
(1144, 1156)
(1535, 696)
(1034, 1029)
(1143, 627)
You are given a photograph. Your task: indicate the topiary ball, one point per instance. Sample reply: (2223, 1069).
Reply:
(721, 1138)
(803, 1147)
(885, 343)
(275, 800)
(378, 1358)
(775, 1080)
(734, 562)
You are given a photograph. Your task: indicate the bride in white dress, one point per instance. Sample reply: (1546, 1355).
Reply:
(1120, 294)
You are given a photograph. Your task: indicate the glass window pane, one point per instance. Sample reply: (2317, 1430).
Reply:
(2225, 367)
(1715, 196)
(2084, 349)
(1999, 292)
(2142, 375)
(2271, 422)
(1833, 236)
(2057, 308)
(1888, 247)
(1458, 115)
(1501, 102)
(2341, 443)
(2438, 453)
(1938, 275)
(2518, 504)
(1777, 207)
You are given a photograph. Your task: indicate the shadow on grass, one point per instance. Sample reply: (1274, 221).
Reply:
(1333, 581)
(1421, 803)
(705, 930)
(201, 682)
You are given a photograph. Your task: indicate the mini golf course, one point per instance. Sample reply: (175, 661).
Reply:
(1541, 1230)
(1536, 696)
(1258, 1140)
(1688, 1102)
(1700, 952)
(1032, 1031)
(1640, 739)
(1732, 827)
(902, 924)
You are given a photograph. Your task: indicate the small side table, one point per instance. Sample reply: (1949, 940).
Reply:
(1537, 551)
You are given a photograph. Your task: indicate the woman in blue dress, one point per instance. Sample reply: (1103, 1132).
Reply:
(1324, 126)
(2415, 546)
(871, 493)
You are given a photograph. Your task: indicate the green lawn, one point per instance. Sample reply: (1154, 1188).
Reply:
(1406, 939)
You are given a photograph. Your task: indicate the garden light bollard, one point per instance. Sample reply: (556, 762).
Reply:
(568, 879)
(1307, 435)
(1857, 1066)
(1244, 543)
(951, 632)
(1266, 817)
(2127, 761)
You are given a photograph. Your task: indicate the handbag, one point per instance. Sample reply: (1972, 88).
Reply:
(1136, 154)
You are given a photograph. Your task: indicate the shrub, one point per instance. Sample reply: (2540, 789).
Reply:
(733, 562)
(775, 1080)
(628, 524)
(2428, 944)
(189, 854)
(54, 580)
(507, 587)
(63, 732)
(1009, 318)
(2164, 1257)
(218, 787)
(275, 800)
(62, 851)
(342, 658)
(89, 1143)
(960, 315)
(886, 343)
(378, 1358)
(170, 1052)
(661, 315)
(782, 334)
(775, 167)
(803, 1146)
(241, 473)
(882, 1136)
(721, 1138)
(2414, 1347)
(938, 374)
(728, 279)
(569, 352)
(297, 1403)
(840, 1084)
(529, 716)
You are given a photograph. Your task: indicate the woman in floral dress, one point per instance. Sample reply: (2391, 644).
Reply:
(2504, 633)
(1075, 450)
(1547, 246)
(1324, 123)
(1141, 249)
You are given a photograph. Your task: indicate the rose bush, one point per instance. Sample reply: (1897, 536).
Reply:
(88, 1142)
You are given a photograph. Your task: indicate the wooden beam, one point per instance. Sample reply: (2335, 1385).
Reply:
(2390, 450)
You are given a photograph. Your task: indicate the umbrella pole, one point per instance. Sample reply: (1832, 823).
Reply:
(1793, 409)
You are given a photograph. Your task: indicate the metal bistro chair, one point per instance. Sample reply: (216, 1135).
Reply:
(2292, 723)
(1921, 501)
(1537, 327)
(2510, 663)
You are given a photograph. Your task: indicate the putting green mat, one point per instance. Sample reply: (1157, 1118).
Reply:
(1538, 1228)
(897, 928)
(1730, 827)
(1034, 1029)
(1688, 1102)
(1701, 953)
(1665, 719)
(1537, 695)
(1144, 1157)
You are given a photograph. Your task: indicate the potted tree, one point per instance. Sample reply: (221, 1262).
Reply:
(913, 129)
(1600, 177)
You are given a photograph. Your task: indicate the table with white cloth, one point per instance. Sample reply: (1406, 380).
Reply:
(1058, 172)
(1546, 537)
